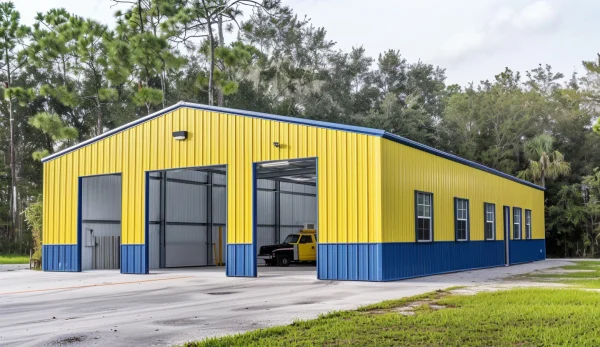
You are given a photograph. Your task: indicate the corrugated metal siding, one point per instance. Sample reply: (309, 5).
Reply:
(60, 258)
(133, 259)
(349, 172)
(524, 251)
(353, 262)
(241, 260)
(406, 260)
(405, 169)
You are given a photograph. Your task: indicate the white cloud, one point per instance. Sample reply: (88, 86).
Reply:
(537, 16)
(503, 26)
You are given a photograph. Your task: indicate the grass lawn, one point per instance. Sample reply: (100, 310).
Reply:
(14, 259)
(518, 317)
(584, 274)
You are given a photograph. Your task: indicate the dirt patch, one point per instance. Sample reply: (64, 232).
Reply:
(70, 340)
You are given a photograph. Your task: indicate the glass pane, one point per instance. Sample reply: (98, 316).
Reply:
(427, 211)
(426, 199)
(419, 198)
(420, 210)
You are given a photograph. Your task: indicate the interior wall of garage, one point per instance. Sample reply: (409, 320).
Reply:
(100, 222)
(187, 240)
(297, 206)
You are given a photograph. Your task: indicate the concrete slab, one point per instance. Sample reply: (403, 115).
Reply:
(170, 307)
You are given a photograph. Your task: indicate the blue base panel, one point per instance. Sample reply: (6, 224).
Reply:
(406, 260)
(134, 259)
(349, 262)
(60, 258)
(241, 260)
(524, 251)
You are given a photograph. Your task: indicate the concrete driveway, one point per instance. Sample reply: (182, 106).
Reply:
(170, 307)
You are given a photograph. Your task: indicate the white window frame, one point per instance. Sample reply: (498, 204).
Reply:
(517, 222)
(461, 206)
(417, 217)
(528, 231)
(491, 221)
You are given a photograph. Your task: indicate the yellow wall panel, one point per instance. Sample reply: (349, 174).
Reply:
(406, 169)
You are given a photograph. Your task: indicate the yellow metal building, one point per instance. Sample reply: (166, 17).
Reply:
(388, 208)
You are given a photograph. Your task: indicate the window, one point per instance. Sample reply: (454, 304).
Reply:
(292, 238)
(489, 225)
(305, 239)
(424, 216)
(528, 224)
(461, 213)
(516, 223)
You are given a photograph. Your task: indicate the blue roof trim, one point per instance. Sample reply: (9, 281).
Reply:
(300, 121)
(455, 158)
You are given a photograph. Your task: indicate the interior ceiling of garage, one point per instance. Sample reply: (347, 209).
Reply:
(302, 171)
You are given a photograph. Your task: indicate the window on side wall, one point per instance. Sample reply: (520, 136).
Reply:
(489, 220)
(517, 223)
(528, 224)
(424, 216)
(461, 216)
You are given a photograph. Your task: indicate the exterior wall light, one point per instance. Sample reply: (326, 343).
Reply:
(180, 135)
(276, 144)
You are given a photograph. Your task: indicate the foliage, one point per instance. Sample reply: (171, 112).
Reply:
(530, 317)
(34, 217)
(13, 259)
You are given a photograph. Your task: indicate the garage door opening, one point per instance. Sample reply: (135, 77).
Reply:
(187, 217)
(100, 222)
(286, 216)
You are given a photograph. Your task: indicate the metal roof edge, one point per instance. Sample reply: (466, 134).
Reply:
(455, 158)
(292, 120)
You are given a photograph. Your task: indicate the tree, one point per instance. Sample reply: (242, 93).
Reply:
(197, 19)
(544, 162)
(58, 134)
(11, 34)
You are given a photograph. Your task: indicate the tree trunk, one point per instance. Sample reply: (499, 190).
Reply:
(99, 123)
(211, 71)
(220, 96)
(13, 169)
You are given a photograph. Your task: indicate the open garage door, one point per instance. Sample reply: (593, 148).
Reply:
(100, 222)
(286, 210)
(187, 217)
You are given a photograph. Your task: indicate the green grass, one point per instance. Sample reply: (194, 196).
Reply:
(519, 317)
(13, 259)
(588, 278)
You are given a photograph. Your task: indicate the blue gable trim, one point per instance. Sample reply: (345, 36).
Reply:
(300, 121)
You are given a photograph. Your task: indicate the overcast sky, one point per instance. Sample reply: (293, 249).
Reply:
(472, 39)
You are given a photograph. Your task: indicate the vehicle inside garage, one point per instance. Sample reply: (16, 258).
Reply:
(187, 216)
(286, 210)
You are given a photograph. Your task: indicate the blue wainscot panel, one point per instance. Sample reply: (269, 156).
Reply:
(352, 262)
(241, 260)
(406, 260)
(134, 259)
(524, 251)
(60, 258)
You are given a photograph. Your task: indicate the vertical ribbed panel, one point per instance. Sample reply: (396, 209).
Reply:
(60, 258)
(405, 169)
(406, 260)
(134, 259)
(524, 251)
(354, 262)
(241, 260)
